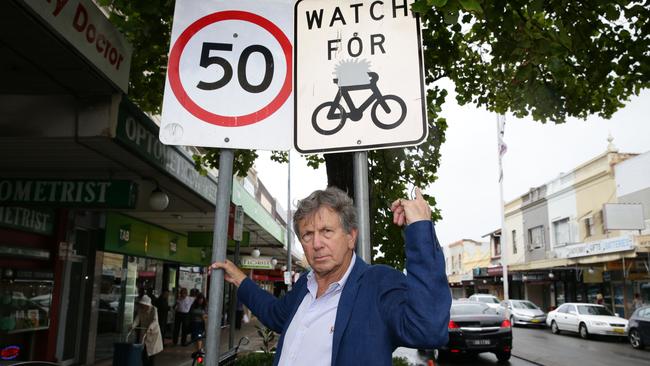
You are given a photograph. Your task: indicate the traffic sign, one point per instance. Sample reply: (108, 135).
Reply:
(359, 76)
(229, 76)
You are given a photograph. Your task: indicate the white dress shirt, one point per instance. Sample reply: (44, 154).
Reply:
(308, 340)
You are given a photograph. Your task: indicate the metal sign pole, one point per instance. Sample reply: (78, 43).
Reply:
(219, 245)
(289, 225)
(362, 202)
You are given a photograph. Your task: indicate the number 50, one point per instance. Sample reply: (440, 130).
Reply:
(207, 60)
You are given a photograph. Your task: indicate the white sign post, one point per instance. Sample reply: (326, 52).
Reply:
(359, 76)
(229, 77)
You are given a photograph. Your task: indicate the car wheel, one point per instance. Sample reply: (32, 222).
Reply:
(503, 356)
(635, 339)
(554, 328)
(584, 333)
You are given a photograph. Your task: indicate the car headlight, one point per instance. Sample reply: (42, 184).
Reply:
(597, 323)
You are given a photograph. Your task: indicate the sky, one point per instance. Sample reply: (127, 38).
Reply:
(467, 189)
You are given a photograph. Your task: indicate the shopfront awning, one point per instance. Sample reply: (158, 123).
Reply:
(541, 264)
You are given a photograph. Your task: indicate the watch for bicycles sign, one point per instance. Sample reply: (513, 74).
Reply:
(229, 76)
(359, 81)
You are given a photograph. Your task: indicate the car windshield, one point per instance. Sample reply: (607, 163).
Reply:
(524, 305)
(471, 309)
(594, 310)
(487, 299)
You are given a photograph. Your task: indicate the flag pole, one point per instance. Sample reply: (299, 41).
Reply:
(501, 121)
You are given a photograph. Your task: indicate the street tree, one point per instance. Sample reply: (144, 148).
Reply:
(548, 59)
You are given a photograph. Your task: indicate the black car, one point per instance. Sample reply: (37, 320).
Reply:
(475, 328)
(638, 331)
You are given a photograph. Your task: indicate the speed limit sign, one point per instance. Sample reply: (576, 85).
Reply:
(229, 76)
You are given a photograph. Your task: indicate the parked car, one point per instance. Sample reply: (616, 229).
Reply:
(638, 328)
(523, 312)
(586, 319)
(474, 328)
(489, 300)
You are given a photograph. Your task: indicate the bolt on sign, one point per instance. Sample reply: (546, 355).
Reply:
(229, 77)
(359, 76)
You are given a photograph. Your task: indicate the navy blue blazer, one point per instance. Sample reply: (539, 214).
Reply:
(380, 308)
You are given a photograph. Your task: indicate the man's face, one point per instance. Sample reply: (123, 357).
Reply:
(328, 248)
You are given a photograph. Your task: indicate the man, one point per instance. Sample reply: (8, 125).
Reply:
(345, 312)
(162, 305)
(181, 317)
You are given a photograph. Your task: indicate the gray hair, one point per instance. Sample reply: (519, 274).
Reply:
(333, 198)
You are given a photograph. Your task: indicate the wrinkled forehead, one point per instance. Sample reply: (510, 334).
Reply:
(323, 216)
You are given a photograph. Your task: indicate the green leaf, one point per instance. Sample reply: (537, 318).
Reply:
(471, 5)
(437, 3)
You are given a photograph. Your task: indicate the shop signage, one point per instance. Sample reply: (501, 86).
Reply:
(238, 223)
(33, 220)
(81, 23)
(467, 276)
(149, 240)
(25, 252)
(87, 193)
(204, 239)
(256, 263)
(495, 271)
(138, 132)
(229, 76)
(611, 245)
(345, 52)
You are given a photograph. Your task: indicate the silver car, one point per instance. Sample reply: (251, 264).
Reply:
(523, 312)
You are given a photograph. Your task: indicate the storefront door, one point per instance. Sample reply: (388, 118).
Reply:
(70, 318)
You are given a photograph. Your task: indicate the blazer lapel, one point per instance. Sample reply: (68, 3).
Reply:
(346, 303)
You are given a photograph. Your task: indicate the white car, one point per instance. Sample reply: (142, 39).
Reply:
(523, 312)
(586, 319)
(490, 300)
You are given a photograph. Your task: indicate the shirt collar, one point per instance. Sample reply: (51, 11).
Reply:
(312, 286)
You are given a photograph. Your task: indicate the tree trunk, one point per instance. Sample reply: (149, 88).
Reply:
(340, 172)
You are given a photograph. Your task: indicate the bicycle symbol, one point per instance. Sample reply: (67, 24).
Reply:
(391, 114)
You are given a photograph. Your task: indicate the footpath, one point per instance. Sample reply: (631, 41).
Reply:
(177, 355)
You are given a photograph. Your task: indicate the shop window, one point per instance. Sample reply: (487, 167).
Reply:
(536, 237)
(561, 232)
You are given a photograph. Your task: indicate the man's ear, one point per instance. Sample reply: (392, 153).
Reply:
(353, 238)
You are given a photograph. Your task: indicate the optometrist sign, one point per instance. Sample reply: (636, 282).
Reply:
(359, 76)
(229, 77)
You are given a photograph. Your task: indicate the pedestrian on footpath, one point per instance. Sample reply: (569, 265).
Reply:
(637, 302)
(147, 320)
(162, 304)
(181, 317)
(198, 316)
(344, 311)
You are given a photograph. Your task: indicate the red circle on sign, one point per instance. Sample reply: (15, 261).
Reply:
(207, 116)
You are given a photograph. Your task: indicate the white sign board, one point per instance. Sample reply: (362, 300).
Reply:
(83, 24)
(359, 76)
(256, 263)
(229, 77)
(238, 230)
(611, 245)
(623, 216)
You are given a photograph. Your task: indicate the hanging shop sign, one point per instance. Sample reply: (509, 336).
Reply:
(86, 193)
(139, 133)
(359, 76)
(83, 24)
(130, 236)
(229, 76)
(256, 263)
(33, 220)
(611, 245)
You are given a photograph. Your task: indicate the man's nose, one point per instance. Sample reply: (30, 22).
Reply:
(318, 241)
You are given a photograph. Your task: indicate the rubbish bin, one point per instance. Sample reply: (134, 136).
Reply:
(127, 354)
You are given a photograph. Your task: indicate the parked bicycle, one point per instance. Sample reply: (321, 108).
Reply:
(391, 115)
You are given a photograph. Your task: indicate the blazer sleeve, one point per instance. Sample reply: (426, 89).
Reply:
(416, 307)
(271, 311)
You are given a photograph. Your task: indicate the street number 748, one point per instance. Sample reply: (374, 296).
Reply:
(207, 60)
